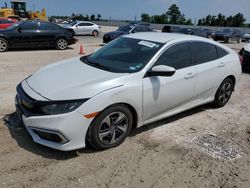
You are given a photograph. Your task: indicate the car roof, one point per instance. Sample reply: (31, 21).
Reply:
(163, 37)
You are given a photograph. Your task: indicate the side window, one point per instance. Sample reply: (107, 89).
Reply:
(29, 26)
(47, 26)
(137, 29)
(221, 52)
(178, 56)
(85, 24)
(204, 52)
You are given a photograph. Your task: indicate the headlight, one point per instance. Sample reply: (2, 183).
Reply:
(60, 107)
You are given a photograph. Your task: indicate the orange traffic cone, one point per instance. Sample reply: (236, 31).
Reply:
(81, 50)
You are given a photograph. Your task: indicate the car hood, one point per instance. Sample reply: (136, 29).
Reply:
(73, 79)
(66, 26)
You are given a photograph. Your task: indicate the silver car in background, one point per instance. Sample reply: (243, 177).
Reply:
(84, 28)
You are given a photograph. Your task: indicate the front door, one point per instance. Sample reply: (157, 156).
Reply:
(163, 94)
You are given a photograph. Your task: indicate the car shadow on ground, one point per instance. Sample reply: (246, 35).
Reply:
(171, 119)
(36, 49)
(24, 140)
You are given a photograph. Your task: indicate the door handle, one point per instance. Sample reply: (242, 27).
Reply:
(222, 64)
(189, 76)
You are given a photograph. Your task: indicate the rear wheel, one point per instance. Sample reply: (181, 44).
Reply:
(111, 127)
(4, 45)
(224, 93)
(61, 44)
(95, 33)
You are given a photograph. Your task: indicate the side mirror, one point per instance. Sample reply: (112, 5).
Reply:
(161, 70)
(19, 29)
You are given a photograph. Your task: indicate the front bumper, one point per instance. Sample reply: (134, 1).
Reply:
(63, 132)
(72, 41)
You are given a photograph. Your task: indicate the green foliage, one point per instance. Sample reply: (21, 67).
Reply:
(172, 16)
(221, 20)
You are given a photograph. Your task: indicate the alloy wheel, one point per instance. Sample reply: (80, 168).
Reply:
(113, 128)
(62, 44)
(3, 45)
(225, 92)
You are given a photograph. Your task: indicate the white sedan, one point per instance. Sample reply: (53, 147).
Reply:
(132, 81)
(84, 28)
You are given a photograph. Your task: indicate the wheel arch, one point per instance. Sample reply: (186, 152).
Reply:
(233, 79)
(3, 37)
(129, 106)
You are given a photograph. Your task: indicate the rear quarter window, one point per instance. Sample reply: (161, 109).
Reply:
(221, 52)
(204, 52)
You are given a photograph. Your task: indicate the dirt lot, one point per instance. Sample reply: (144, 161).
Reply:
(203, 147)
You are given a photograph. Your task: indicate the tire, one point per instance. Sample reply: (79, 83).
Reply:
(223, 93)
(106, 131)
(4, 45)
(229, 40)
(61, 44)
(95, 33)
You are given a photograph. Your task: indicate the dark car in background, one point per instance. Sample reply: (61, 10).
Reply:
(127, 29)
(35, 34)
(245, 56)
(187, 31)
(170, 29)
(228, 35)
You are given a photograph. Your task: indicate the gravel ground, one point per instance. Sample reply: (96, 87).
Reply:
(203, 147)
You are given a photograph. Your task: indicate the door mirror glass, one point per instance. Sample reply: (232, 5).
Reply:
(162, 70)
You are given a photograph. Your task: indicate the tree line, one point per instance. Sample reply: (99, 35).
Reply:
(81, 17)
(174, 16)
(237, 20)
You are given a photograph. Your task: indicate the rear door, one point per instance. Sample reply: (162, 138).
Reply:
(84, 28)
(47, 34)
(163, 94)
(211, 69)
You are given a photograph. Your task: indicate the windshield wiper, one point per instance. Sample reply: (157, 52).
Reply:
(98, 65)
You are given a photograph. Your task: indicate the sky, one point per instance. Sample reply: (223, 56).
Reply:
(129, 9)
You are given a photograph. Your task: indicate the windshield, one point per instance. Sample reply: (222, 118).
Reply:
(226, 31)
(126, 28)
(73, 23)
(123, 55)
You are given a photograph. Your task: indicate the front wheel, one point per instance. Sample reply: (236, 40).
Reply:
(224, 93)
(111, 127)
(61, 44)
(4, 45)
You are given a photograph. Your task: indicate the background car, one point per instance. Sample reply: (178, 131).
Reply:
(187, 31)
(136, 80)
(6, 22)
(245, 56)
(84, 28)
(228, 35)
(35, 34)
(170, 29)
(127, 29)
(246, 37)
